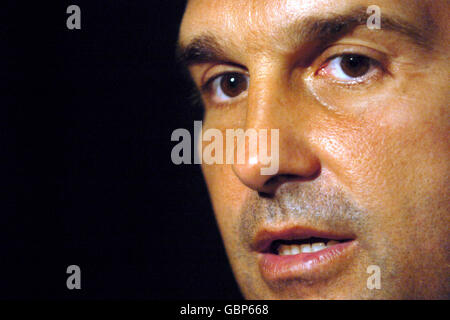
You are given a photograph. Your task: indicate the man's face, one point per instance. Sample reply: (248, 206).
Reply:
(363, 121)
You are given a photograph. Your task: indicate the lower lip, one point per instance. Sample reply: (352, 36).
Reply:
(307, 266)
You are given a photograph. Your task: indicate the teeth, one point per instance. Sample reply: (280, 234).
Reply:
(295, 250)
(317, 246)
(305, 248)
(286, 250)
(332, 243)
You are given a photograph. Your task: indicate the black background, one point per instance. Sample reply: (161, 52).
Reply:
(87, 177)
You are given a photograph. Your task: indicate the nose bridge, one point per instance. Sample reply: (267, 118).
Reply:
(270, 107)
(266, 96)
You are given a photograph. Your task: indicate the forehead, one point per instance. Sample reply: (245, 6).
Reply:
(244, 20)
(227, 19)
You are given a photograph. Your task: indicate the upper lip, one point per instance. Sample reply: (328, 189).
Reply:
(265, 237)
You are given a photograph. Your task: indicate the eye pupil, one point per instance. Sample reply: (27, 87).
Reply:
(355, 65)
(233, 84)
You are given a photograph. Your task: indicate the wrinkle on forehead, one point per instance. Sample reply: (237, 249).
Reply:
(257, 23)
(242, 22)
(260, 26)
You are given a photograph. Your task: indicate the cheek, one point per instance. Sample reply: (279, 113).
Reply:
(227, 193)
(391, 158)
(352, 155)
(227, 196)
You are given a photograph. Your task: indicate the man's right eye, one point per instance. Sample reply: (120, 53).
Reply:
(227, 86)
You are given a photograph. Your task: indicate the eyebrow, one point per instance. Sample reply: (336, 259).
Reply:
(207, 48)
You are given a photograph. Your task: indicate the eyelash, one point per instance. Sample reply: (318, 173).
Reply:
(375, 68)
(207, 87)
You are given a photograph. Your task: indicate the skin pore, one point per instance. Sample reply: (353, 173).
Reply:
(363, 118)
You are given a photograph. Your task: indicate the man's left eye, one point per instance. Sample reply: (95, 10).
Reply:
(349, 67)
(228, 86)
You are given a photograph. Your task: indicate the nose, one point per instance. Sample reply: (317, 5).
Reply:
(270, 107)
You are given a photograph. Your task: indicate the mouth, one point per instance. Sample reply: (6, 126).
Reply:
(297, 246)
(299, 253)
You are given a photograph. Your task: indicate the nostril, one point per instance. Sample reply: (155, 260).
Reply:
(274, 182)
(266, 195)
(271, 185)
(266, 185)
